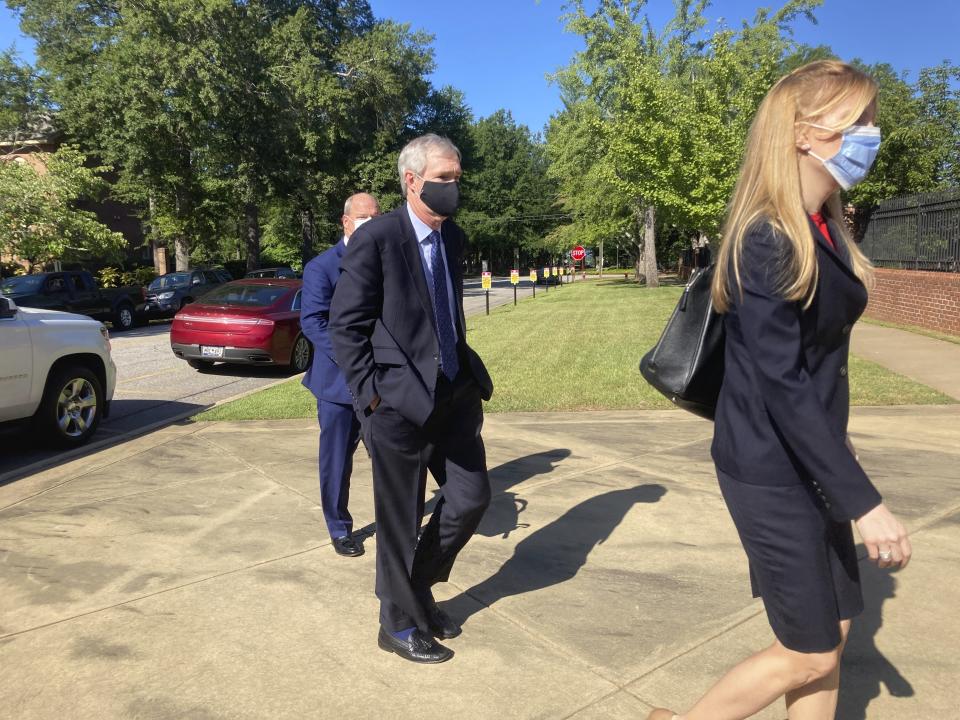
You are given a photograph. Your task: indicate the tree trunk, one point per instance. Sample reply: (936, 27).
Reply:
(252, 220)
(645, 218)
(182, 250)
(157, 245)
(181, 243)
(650, 247)
(307, 234)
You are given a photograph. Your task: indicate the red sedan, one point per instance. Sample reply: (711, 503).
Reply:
(248, 322)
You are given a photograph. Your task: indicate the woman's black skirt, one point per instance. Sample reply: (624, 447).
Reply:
(802, 563)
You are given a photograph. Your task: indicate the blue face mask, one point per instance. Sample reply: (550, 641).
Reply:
(857, 152)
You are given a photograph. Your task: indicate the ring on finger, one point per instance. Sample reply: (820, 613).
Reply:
(885, 554)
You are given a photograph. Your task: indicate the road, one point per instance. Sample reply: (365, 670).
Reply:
(474, 301)
(153, 386)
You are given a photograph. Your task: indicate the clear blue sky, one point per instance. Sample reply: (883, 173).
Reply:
(499, 52)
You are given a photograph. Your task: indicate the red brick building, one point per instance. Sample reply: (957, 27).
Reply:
(119, 217)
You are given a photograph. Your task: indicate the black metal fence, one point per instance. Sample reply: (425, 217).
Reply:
(916, 232)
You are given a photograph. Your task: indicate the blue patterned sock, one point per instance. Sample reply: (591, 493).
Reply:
(403, 634)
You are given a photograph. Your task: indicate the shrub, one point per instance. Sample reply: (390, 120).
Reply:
(109, 277)
(144, 275)
(11, 269)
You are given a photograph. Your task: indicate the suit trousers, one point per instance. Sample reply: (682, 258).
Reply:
(408, 566)
(339, 436)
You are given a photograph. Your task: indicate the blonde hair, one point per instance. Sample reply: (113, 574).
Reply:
(768, 189)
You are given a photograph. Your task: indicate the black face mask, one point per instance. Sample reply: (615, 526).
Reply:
(441, 197)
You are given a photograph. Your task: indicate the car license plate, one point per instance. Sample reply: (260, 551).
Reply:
(211, 351)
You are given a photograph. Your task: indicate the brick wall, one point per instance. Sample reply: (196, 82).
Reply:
(926, 299)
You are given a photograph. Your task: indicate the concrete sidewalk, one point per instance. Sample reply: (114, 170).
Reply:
(186, 574)
(935, 363)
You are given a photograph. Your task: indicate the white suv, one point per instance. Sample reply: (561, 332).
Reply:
(56, 371)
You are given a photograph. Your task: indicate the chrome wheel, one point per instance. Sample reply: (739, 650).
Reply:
(301, 355)
(76, 407)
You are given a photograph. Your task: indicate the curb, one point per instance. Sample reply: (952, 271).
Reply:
(98, 445)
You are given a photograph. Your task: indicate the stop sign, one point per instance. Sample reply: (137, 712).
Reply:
(578, 253)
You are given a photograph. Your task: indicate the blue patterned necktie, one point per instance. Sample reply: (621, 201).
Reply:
(449, 363)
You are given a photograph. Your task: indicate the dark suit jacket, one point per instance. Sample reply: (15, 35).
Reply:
(382, 324)
(783, 408)
(320, 276)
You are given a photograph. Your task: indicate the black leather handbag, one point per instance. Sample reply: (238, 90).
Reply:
(686, 364)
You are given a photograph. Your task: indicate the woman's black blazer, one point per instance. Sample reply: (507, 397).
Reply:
(782, 412)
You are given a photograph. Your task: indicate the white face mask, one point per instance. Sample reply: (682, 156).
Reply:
(357, 222)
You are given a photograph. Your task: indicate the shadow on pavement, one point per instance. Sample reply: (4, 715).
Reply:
(555, 553)
(523, 468)
(147, 411)
(503, 516)
(245, 371)
(155, 328)
(865, 668)
(22, 447)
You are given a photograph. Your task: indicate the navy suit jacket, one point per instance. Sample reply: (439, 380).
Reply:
(320, 275)
(783, 408)
(382, 324)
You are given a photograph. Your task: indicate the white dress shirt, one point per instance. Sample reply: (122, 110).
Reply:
(423, 231)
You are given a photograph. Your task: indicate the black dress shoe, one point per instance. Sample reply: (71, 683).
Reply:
(441, 624)
(347, 546)
(418, 648)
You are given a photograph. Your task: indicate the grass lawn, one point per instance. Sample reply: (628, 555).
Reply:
(576, 348)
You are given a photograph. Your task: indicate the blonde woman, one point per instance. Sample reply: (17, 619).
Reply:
(791, 284)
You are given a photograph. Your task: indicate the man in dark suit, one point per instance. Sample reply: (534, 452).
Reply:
(399, 334)
(339, 428)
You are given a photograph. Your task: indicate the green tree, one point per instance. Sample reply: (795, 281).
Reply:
(508, 199)
(920, 151)
(39, 218)
(215, 112)
(656, 120)
(122, 84)
(23, 104)
(354, 102)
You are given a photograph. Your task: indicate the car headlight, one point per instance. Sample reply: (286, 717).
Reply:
(165, 295)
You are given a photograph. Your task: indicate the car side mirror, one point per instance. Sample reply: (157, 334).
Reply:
(8, 310)
(196, 281)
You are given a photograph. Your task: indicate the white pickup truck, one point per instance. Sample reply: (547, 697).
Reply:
(55, 371)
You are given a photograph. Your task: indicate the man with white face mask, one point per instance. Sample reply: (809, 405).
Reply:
(339, 427)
